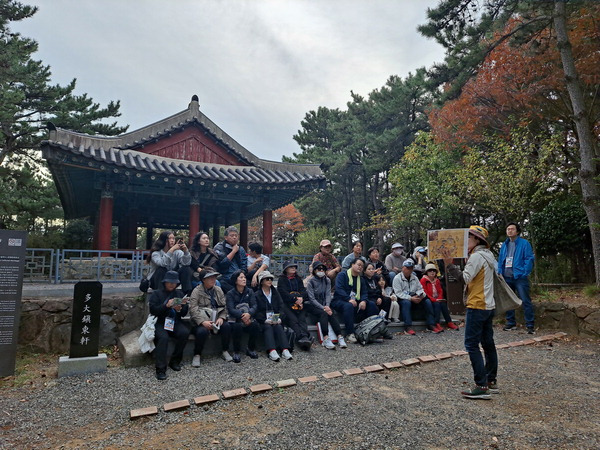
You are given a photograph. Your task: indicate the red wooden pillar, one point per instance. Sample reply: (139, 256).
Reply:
(105, 222)
(267, 231)
(96, 228)
(244, 233)
(194, 218)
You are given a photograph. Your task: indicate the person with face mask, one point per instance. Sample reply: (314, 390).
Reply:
(394, 261)
(318, 304)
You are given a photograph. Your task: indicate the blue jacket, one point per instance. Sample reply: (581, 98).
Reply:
(522, 259)
(224, 265)
(343, 288)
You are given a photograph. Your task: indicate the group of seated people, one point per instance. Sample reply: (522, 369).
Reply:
(228, 292)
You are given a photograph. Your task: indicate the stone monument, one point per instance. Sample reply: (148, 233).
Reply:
(85, 332)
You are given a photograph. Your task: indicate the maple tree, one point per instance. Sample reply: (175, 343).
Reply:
(288, 222)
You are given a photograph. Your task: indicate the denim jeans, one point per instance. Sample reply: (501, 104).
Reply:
(479, 329)
(441, 308)
(406, 305)
(521, 288)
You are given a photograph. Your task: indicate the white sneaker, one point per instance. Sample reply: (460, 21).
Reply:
(351, 338)
(286, 354)
(273, 355)
(328, 344)
(342, 342)
(226, 356)
(196, 361)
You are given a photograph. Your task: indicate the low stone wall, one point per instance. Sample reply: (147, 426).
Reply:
(46, 322)
(581, 320)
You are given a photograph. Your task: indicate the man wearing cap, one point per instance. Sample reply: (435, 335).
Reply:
(169, 306)
(409, 291)
(478, 275)
(232, 257)
(515, 263)
(326, 257)
(208, 311)
(394, 261)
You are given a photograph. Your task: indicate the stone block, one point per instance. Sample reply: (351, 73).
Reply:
(569, 322)
(129, 349)
(353, 371)
(545, 338)
(561, 334)
(427, 358)
(515, 344)
(373, 368)
(175, 406)
(234, 393)
(551, 307)
(143, 412)
(410, 362)
(392, 365)
(459, 353)
(528, 342)
(286, 383)
(258, 388)
(310, 379)
(501, 346)
(77, 366)
(441, 356)
(206, 399)
(330, 375)
(591, 324)
(582, 311)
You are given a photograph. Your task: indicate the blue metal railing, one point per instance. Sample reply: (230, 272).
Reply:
(46, 265)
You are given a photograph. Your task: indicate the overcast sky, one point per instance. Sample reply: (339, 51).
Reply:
(257, 66)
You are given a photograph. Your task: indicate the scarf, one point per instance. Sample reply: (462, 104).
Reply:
(351, 283)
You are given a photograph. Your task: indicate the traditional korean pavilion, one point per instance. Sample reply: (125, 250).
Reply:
(183, 172)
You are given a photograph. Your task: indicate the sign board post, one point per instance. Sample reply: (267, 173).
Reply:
(13, 245)
(455, 243)
(85, 332)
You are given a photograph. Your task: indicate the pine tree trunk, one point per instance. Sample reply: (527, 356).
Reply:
(587, 141)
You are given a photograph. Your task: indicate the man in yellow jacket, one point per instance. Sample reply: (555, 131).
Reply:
(478, 276)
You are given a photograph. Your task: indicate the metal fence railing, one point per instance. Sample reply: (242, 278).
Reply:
(46, 265)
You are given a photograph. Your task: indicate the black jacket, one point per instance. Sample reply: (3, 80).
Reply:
(263, 305)
(158, 305)
(285, 286)
(235, 302)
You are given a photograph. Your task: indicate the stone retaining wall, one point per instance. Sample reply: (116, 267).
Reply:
(582, 319)
(46, 322)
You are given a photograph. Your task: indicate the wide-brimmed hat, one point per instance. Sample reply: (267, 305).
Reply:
(289, 263)
(264, 274)
(171, 277)
(480, 232)
(324, 243)
(429, 267)
(208, 273)
(397, 245)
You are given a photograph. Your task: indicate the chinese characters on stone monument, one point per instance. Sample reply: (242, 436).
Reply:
(85, 327)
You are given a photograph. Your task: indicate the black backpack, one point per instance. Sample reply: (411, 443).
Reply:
(370, 329)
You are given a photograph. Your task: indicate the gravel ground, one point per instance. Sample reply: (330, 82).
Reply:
(549, 398)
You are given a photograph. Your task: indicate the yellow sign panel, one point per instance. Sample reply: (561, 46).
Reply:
(454, 240)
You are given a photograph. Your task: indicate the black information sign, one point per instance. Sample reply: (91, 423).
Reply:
(85, 326)
(12, 262)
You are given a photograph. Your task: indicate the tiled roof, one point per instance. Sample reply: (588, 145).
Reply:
(135, 160)
(121, 151)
